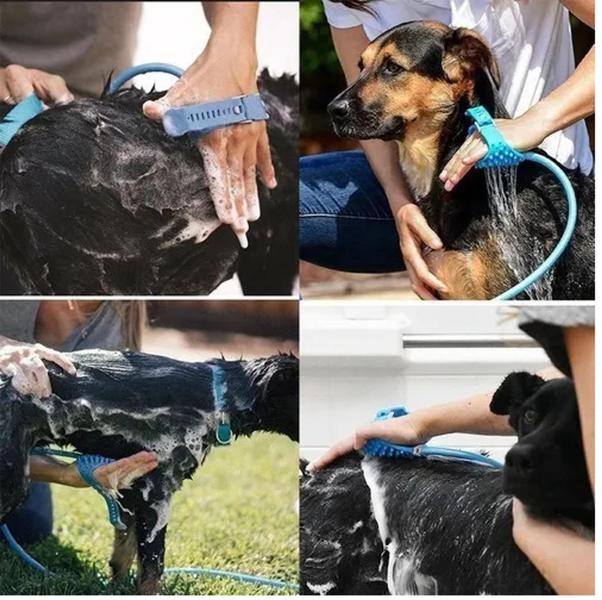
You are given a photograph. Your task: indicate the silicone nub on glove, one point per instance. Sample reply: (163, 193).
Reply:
(500, 153)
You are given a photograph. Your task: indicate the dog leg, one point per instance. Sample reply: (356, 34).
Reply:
(124, 551)
(151, 550)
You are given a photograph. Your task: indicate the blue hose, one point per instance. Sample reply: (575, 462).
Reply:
(157, 67)
(20, 552)
(564, 240)
(196, 571)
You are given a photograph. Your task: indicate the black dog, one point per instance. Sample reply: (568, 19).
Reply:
(417, 81)
(96, 199)
(121, 403)
(380, 525)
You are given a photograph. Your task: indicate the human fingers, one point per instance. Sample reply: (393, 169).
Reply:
(264, 158)
(466, 160)
(50, 88)
(18, 82)
(58, 358)
(417, 223)
(36, 373)
(337, 450)
(121, 473)
(235, 154)
(250, 179)
(418, 287)
(213, 152)
(413, 258)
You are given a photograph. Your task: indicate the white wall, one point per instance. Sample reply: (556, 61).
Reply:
(360, 358)
(176, 32)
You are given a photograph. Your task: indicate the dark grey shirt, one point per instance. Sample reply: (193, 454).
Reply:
(102, 330)
(546, 325)
(81, 41)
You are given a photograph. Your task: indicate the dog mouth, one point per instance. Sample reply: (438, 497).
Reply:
(369, 127)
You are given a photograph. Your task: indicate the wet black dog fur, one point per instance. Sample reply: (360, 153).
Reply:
(448, 523)
(96, 199)
(121, 403)
(412, 106)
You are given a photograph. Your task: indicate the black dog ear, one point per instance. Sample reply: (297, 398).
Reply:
(514, 390)
(468, 60)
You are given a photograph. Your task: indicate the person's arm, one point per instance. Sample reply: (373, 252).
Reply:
(469, 415)
(226, 68)
(568, 103)
(563, 557)
(384, 161)
(115, 475)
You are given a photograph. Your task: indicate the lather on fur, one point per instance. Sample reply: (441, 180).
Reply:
(95, 198)
(121, 403)
(417, 80)
(408, 527)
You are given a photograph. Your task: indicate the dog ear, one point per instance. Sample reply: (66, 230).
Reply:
(513, 391)
(467, 59)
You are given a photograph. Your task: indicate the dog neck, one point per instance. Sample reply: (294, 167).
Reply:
(247, 399)
(418, 159)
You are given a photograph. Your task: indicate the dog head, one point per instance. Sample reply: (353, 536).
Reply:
(263, 394)
(546, 467)
(412, 78)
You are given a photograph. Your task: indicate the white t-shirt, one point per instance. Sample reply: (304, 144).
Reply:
(531, 41)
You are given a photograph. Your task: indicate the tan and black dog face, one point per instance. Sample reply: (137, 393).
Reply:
(412, 77)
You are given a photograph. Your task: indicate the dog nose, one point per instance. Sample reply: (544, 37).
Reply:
(339, 108)
(520, 459)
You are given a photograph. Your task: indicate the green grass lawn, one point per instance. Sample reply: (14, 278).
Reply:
(238, 514)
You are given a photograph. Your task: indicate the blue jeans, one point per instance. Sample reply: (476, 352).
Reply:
(32, 522)
(345, 222)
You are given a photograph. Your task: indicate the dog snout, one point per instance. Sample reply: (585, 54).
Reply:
(339, 108)
(521, 460)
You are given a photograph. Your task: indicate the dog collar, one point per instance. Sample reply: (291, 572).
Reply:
(17, 117)
(200, 119)
(223, 432)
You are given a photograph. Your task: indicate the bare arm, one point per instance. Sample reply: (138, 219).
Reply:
(568, 103)
(564, 558)
(469, 415)
(115, 475)
(384, 162)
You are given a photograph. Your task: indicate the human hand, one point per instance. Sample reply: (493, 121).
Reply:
(117, 475)
(523, 133)
(23, 362)
(407, 430)
(231, 155)
(17, 83)
(414, 232)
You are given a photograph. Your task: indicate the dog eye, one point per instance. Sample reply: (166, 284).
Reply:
(530, 417)
(392, 68)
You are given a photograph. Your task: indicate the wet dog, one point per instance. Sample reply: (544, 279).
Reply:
(417, 80)
(121, 403)
(400, 526)
(97, 199)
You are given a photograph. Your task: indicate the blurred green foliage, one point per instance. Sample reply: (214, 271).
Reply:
(317, 51)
